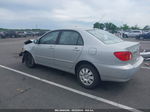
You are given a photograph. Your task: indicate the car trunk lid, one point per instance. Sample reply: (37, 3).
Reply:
(133, 47)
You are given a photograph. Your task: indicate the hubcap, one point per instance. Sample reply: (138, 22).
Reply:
(86, 76)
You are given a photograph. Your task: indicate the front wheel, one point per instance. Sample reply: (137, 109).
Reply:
(29, 61)
(88, 76)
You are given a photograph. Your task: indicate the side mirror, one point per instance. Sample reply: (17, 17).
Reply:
(36, 41)
(28, 42)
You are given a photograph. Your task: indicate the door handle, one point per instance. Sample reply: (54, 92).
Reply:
(76, 49)
(51, 47)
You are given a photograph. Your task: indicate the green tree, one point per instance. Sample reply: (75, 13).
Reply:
(135, 27)
(111, 27)
(125, 27)
(96, 25)
(99, 25)
(147, 27)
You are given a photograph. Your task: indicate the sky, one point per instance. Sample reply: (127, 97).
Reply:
(53, 14)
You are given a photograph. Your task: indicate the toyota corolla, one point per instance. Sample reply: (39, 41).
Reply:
(93, 55)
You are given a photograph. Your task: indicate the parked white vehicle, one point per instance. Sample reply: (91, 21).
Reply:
(132, 33)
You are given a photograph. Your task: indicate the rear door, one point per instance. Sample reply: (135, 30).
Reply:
(44, 50)
(68, 49)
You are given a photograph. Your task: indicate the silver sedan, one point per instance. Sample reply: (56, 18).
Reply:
(93, 55)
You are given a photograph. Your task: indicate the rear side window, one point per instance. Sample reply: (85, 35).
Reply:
(105, 37)
(49, 38)
(70, 38)
(80, 41)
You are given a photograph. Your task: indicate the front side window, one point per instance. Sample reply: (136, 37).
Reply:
(70, 38)
(49, 38)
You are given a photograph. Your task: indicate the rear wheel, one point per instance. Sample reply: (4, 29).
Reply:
(88, 76)
(29, 61)
(126, 36)
(141, 38)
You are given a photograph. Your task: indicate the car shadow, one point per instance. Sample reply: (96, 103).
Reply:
(70, 80)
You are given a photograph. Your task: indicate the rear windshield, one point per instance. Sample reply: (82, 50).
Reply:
(105, 37)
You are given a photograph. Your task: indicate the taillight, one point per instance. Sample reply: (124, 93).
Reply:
(123, 55)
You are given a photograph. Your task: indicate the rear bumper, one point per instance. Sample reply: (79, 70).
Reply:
(119, 73)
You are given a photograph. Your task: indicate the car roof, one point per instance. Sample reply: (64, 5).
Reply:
(78, 29)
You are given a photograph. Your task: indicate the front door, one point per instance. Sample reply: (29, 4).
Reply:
(44, 50)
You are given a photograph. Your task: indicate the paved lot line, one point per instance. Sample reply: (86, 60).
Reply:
(146, 67)
(74, 90)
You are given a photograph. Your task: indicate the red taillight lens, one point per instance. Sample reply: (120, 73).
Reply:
(123, 56)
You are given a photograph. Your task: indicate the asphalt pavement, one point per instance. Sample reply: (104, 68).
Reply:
(18, 91)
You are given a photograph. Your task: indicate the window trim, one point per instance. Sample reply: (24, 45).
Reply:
(47, 34)
(58, 39)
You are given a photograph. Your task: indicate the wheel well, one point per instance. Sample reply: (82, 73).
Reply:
(85, 62)
(23, 59)
(26, 52)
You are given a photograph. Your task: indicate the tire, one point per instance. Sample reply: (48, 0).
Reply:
(141, 38)
(126, 36)
(137, 38)
(88, 76)
(29, 61)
